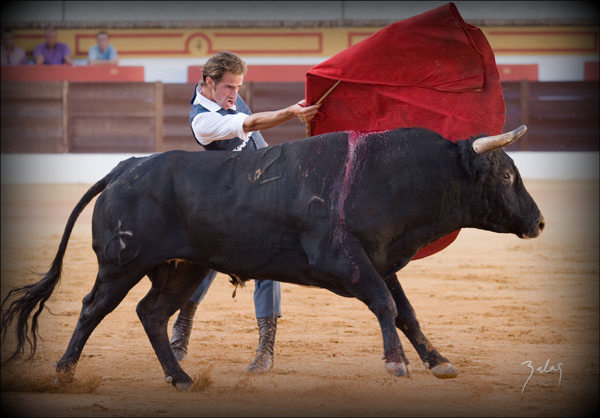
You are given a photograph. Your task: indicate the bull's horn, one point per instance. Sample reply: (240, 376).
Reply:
(489, 143)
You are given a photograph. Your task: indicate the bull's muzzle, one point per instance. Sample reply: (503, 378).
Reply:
(536, 229)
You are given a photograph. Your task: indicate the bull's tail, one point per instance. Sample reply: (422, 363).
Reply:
(38, 293)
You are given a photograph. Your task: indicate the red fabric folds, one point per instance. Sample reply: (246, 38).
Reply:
(433, 70)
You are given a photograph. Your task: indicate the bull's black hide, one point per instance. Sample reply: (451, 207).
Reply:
(342, 211)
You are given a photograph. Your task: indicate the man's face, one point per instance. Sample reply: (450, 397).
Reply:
(102, 41)
(50, 38)
(225, 91)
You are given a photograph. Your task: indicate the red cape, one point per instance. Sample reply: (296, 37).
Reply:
(433, 70)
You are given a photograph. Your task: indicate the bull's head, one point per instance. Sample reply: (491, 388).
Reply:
(503, 205)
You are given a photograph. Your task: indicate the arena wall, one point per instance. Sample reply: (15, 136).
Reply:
(533, 41)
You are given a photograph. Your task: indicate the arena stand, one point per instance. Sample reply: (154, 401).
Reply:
(548, 69)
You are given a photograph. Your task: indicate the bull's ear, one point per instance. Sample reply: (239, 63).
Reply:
(490, 143)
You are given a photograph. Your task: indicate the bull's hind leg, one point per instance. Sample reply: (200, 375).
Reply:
(107, 293)
(407, 322)
(172, 284)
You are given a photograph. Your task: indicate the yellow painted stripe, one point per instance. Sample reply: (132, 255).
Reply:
(293, 42)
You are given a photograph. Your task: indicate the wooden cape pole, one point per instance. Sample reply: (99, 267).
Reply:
(319, 101)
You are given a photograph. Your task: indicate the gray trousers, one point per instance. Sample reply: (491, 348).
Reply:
(267, 295)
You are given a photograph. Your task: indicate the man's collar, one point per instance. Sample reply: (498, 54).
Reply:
(206, 102)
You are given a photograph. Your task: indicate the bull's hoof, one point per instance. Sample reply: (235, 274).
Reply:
(63, 376)
(397, 369)
(61, 379)
(182, 384)
(444, 371)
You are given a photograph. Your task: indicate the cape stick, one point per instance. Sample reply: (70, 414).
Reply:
(319, 101)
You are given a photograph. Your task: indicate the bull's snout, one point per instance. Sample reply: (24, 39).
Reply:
(536, 229)
(541, 224)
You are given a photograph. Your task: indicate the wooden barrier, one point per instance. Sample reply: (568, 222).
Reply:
(591, 71)
(34, 117)
(60, 116)
(560, 116)
(272, 96)
(72, 73)
(177, 133)
(115, 117)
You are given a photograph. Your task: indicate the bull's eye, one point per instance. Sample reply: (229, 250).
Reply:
(506, 176)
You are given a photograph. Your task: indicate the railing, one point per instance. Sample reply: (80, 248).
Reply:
(63, 116)
(58, 116)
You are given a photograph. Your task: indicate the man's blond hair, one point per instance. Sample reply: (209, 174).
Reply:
(220, 63)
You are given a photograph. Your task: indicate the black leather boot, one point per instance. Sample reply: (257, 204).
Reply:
(263, 362)
(182, 329)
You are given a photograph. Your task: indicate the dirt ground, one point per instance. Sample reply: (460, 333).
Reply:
(489, 302)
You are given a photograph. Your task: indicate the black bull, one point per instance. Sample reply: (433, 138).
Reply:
(341, 211)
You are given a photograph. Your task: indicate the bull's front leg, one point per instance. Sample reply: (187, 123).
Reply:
(380, 302)
(407, 322)
(362, 281)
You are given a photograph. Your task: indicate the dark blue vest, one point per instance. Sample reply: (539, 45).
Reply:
(256, 140)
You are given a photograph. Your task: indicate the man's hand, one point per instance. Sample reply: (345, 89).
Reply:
(304, 113)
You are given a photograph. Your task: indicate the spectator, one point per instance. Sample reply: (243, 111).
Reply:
(102, 52)
(11, 54)
(52, 52)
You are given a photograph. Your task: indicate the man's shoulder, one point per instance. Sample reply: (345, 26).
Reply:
(112, 51)
(198, 108)
(198, 111)
(94, 51)
(39, 48)
(63, 46)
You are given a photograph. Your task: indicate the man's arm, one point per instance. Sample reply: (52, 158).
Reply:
(92, 56)
(67, 58)
(266, 120)
(38, 57)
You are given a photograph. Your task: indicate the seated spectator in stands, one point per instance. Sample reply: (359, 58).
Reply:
(11, 54)
(102, 52)
(52, 52)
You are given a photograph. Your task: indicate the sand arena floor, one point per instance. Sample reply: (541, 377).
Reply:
(489, 302)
